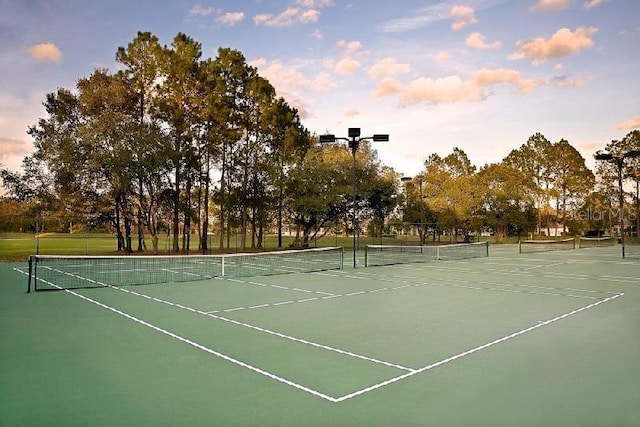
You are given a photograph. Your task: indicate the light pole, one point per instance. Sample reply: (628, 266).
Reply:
(421, 230)
(636, 174)
(619, 161)
(353, 141)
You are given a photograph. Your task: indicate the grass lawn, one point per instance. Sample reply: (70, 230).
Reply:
(18, 246)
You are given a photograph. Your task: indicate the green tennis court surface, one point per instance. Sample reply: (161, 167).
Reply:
(550, 338)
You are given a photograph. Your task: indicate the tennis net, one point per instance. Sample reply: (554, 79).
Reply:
(531, 246)
(632, 247)
(595, 242)
(399, 254)
(73, 272)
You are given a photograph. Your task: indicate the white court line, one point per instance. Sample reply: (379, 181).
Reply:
(557, 275)
(473, 350)
(265, 285)
(198, 346)
(410, 373)
(253, 327)
(572, 261)
(468, 284)
(534, 267)
(268, 331)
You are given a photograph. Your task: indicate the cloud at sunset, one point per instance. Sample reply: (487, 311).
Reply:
(289, 17)
(453, 88)
(463, 16)
(561, 44)
(551, 5)
(477, 41)
(46, 52)
(630, 124)
(388, 67)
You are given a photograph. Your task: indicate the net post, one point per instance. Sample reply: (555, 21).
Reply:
(487, 247)
(222, 262)
(574, 242)
(366, 256)
(30, 273)
(342, 258)
(519, 246)
(437, 253)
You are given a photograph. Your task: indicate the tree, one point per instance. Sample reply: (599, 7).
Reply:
(318, 190)
(233, 75)
(287, 140)
(62, 154)
(415, 211)
(142, 58)
(32, 187)
(607, 172)
(107, 109)
(534, 159)
(382, 197)
(177, 107)
(572, 179)
(255, 156)
(448, 187)
(506, 199)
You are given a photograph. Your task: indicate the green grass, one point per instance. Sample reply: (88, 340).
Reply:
(18, 246)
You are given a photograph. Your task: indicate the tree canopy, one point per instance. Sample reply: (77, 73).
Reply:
(177, 143)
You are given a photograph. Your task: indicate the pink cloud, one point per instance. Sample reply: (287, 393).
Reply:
(346, 66)
(388, 67)
(630, 124)
(562, 43)
(230, 18)
(477, 41)
(463, 16)
(46, 52)
(289, 17)
(551, 5)
(453, 88)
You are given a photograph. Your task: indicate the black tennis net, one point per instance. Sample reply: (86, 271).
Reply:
(73, 272)
(595, 242)
(531, 246)
(405, 254)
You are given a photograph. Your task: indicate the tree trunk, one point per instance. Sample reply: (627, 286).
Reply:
(500, 233)
(119, 236)
(222, 195)
(186, 236)
(176, 212)
(141, 244)
(127, 230)
(205, 221)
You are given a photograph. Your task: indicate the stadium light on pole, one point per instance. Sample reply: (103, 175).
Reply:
(619, 161)
(353, 142)
(421, 229)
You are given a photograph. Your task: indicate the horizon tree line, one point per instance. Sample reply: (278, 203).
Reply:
(171, 141)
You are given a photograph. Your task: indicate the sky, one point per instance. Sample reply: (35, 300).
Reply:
(480, 75)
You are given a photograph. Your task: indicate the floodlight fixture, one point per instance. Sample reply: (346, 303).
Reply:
(406, 179)
(603, 156)
(381, 137)
(354, 132)
(327, 138)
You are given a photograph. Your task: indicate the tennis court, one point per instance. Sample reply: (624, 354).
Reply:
(543, 338)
